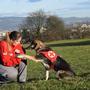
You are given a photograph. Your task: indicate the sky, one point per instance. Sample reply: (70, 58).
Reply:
(62, 8)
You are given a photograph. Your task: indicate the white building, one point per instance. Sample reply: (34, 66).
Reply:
(2, 35)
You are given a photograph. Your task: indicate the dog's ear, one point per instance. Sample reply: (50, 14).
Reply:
(42, 45)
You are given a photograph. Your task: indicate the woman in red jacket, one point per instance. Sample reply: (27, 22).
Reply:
(8, 61)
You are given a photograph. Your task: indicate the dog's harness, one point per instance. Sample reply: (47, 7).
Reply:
(51, 55)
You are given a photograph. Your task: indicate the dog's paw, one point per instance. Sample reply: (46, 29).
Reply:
(46, 79)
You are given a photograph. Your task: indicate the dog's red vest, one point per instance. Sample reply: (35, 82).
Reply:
(51, 55)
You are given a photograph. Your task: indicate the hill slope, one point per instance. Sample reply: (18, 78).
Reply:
(12, 23)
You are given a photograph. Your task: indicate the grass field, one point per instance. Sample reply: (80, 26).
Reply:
(76, 52)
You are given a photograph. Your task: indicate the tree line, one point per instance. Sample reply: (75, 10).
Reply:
(39, 25)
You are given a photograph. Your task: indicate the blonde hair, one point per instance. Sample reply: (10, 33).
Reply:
(8, 41)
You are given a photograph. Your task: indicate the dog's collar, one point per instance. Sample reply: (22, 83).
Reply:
(40, 49)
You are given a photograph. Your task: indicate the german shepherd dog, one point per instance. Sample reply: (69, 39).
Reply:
(51, 60)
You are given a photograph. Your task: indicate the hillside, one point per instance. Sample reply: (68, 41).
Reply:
(12, 23)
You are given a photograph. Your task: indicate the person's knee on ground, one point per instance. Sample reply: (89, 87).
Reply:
(12, 76)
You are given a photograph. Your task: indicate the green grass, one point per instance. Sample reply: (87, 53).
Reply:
(76, 52)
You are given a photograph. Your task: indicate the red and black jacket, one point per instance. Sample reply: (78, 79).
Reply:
(50, 55)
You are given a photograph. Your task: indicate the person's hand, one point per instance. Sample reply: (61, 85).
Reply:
(39, 60)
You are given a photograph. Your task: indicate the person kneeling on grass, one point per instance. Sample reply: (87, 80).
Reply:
(9, 49)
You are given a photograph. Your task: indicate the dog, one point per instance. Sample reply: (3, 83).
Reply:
(51, 60)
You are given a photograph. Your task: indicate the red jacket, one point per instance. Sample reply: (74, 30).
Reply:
(7, 57)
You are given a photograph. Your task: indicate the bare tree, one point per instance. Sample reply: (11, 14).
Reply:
(35, 21)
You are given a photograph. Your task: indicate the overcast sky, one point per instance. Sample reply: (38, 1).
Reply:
(62, 8)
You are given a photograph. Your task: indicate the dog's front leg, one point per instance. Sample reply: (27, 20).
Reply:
(47, 67)
(47, 74)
